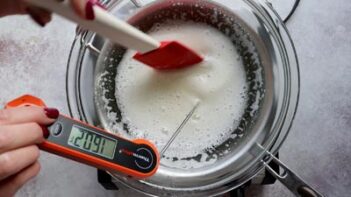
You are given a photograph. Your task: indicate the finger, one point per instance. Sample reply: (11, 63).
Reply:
(20, 135)
(16, 160)
(9, 186)
(12, 7)
(79, 7)
(18, 115)
(39, 15)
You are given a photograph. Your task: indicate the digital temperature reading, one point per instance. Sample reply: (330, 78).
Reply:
(92, 142)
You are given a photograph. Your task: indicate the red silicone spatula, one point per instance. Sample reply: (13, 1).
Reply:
(164, 55)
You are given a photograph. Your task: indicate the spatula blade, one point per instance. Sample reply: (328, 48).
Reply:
(170, 55)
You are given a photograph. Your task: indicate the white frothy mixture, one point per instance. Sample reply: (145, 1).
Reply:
(155, 103)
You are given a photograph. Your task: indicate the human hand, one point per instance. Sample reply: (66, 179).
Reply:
(83, 8)
(20, 131)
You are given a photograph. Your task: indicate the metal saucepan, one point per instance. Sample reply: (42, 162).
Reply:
(271, 66)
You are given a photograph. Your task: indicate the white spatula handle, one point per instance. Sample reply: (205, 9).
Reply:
(104, 24)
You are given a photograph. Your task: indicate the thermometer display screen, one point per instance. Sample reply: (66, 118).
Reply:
(92, 142)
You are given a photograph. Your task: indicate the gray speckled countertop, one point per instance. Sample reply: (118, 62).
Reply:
(33, 60)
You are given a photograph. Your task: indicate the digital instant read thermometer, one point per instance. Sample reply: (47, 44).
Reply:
(93, 146)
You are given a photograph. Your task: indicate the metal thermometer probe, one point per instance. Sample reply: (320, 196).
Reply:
(175, 134)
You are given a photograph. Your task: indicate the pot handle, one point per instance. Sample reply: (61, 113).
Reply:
(288, 178)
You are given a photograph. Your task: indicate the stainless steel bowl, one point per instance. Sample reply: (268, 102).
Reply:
(272, 76)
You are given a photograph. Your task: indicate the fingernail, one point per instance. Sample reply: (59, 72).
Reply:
(36, 17)
(45, 130)
(52, 113)
(89, 11)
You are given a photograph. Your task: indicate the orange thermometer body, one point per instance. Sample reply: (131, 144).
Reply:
(93, 146)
